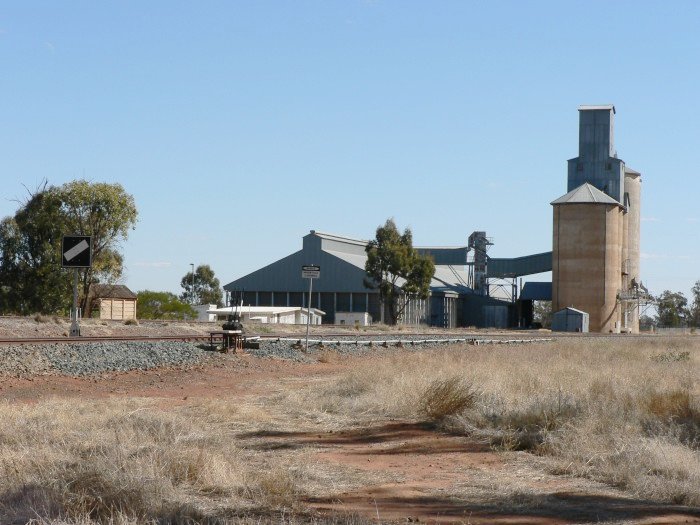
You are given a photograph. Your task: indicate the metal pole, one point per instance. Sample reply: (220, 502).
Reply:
(75, 324)
(308, 313)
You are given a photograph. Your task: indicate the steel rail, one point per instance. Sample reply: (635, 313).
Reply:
(380, 336)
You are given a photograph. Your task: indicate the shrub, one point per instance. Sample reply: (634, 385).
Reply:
(446, 397)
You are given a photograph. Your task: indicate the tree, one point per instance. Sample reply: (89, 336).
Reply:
(396, 269)
(30, 244)
(671, 309)
(542, 313)
(203, 289)
(162, 305)
(695, 308)
(646, 323)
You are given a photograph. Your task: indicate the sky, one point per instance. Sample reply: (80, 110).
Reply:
(238, 127)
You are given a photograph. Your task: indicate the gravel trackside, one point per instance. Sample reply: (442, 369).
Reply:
(84, 359)
(94, 358)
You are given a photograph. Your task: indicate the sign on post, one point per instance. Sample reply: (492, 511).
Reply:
(310, 271)
(76, 251)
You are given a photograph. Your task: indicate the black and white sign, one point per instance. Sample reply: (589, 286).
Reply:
(310, 271)
(77, 251)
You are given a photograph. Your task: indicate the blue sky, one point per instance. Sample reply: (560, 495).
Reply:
(240, 126)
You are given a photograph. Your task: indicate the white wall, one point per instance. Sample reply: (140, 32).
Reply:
(350, 318)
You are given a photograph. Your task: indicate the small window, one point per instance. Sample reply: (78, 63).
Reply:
(579, 166)
(608, 166)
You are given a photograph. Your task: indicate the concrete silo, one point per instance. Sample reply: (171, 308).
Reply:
(631, 277)
(587, 256)
(595, 265)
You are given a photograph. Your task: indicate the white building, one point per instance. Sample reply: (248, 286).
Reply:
(271, 314)
(353, 318)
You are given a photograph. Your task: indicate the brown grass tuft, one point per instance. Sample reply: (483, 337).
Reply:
(670, 405)
(446, 397)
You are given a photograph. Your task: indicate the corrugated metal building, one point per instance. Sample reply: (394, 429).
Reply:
(570, 320)
(341, 285)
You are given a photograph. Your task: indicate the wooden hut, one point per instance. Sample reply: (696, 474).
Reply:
(113, 301)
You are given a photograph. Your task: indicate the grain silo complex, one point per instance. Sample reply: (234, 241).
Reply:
(595, 258)
(594, 261)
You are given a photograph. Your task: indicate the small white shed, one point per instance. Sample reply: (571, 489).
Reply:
(353, 318)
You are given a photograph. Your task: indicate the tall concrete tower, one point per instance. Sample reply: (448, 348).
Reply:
(595, 266)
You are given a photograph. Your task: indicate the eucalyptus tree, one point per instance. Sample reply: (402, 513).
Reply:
(201, 287)
(396, 270)
(30, 244)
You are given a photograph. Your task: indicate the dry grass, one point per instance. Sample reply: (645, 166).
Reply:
(621, 411)
(132, 461)
(611, 410)
(445, 398)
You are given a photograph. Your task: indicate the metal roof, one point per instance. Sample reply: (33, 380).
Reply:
(585, 194)
(111, 291)
(631, 171)
(270, 310)
(342, 262)
(597, 107)
(536, 291)
(563, 311)
(334, 237)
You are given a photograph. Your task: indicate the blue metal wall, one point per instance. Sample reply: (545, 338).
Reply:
(596, 162)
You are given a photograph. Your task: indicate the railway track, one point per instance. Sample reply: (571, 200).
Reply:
(327, 336)
(89, 339)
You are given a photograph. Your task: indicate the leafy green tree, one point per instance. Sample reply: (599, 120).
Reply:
(646, 323)
(671, 309)
(30, 244)
(695, 307)
(162, 305)
(542, 313)
(396, 269)
(106, 212)
(204, 288)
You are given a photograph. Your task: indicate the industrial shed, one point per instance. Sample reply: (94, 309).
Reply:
(113, 301)
(341, 288)
(570, 320)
